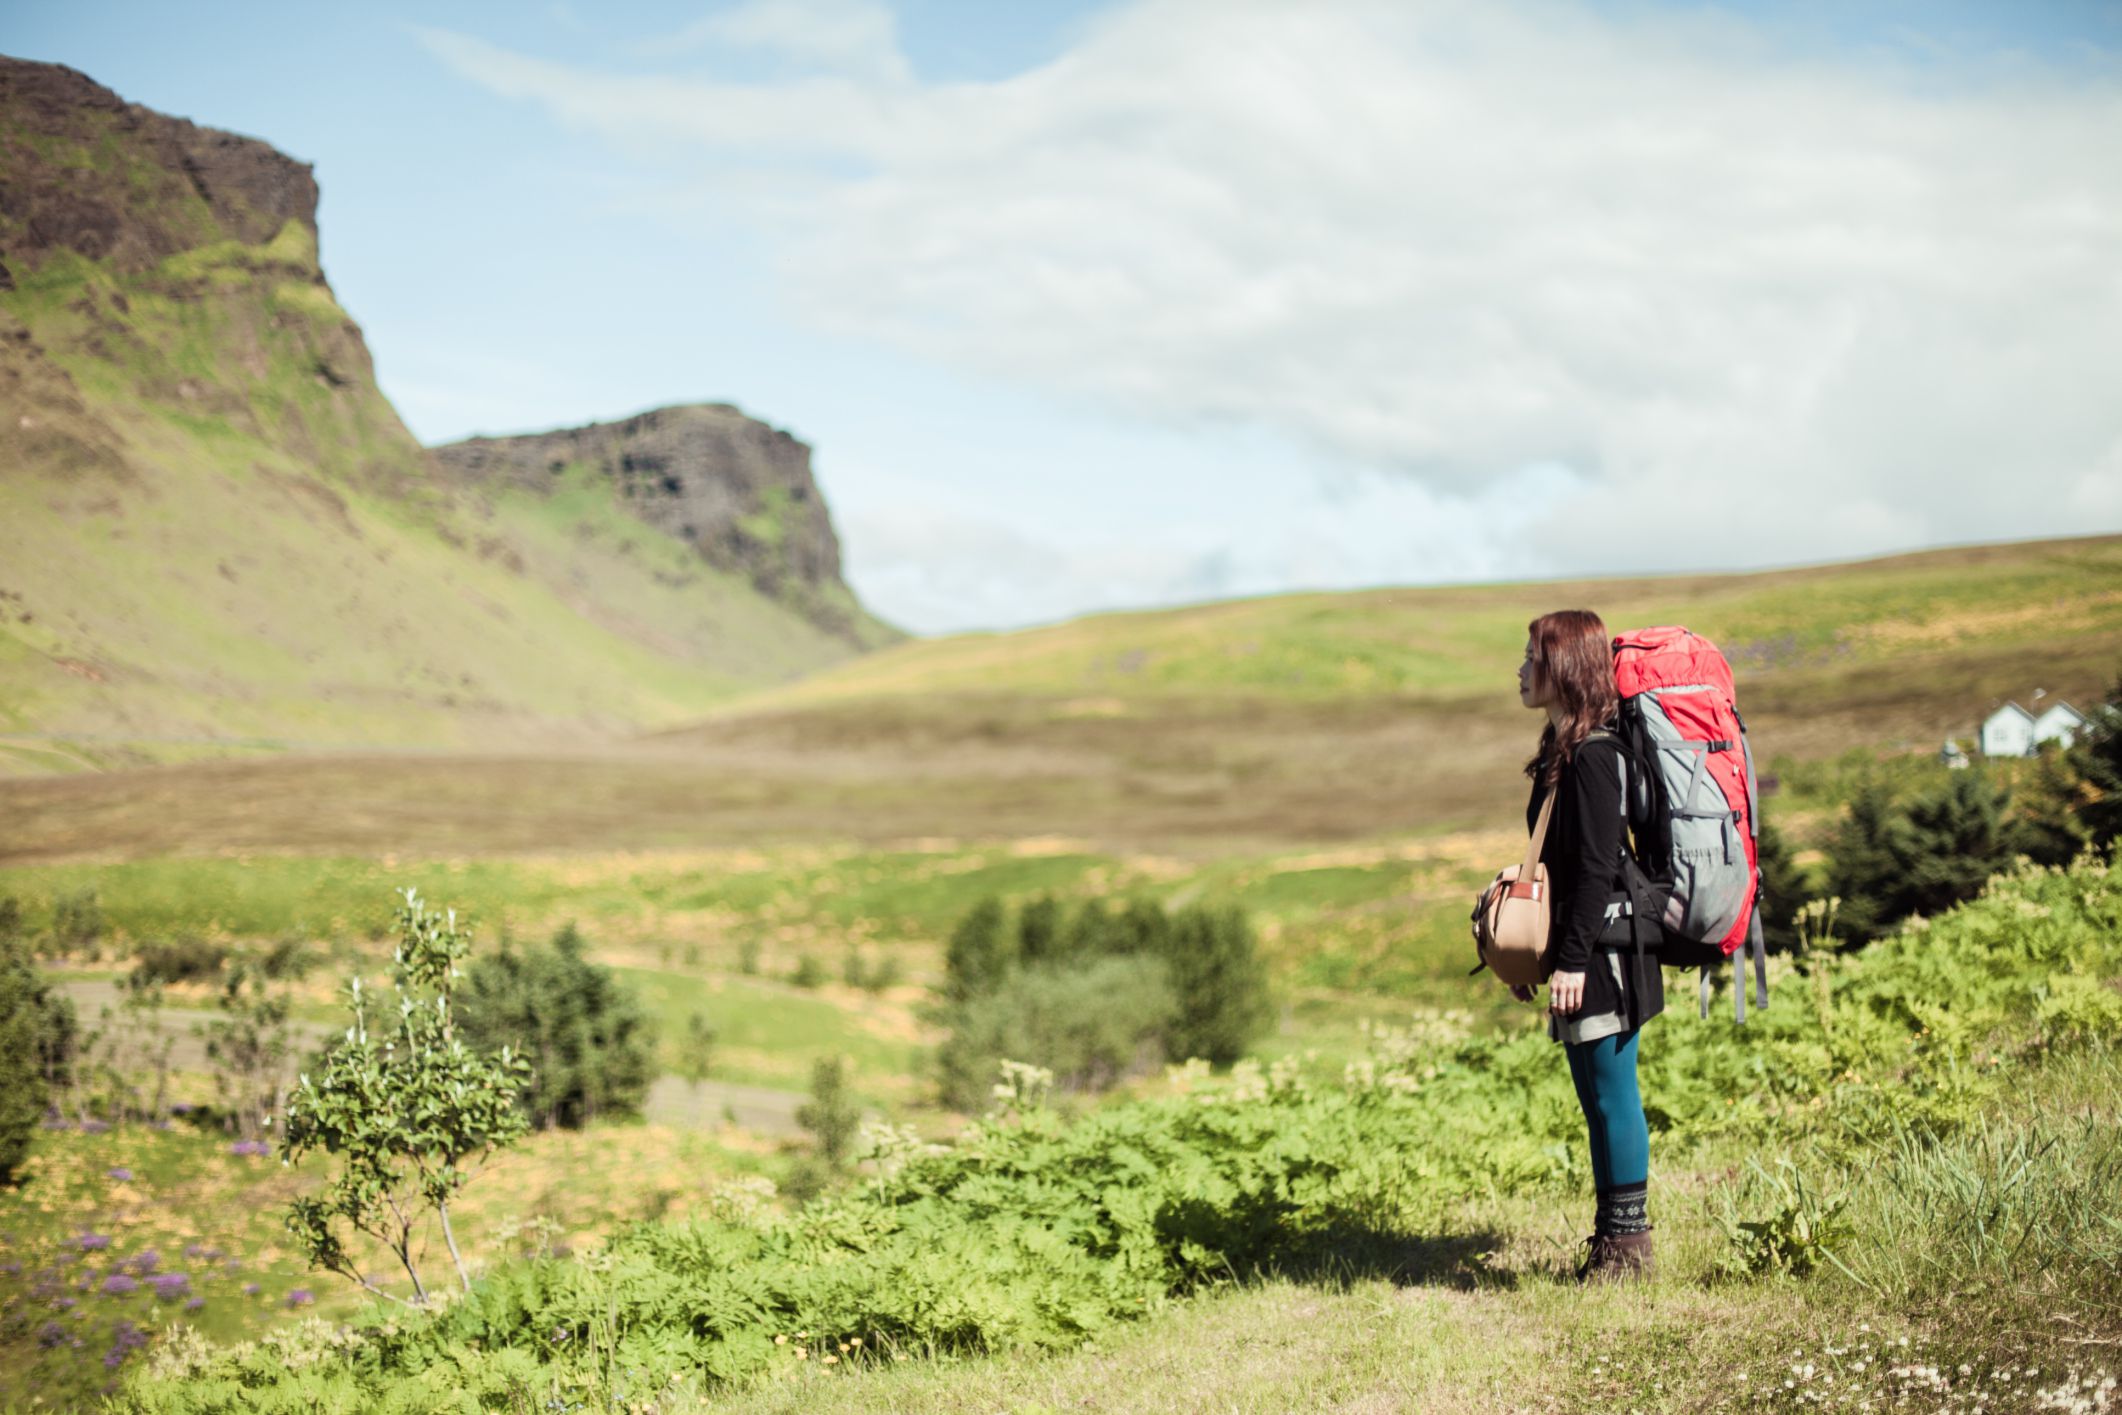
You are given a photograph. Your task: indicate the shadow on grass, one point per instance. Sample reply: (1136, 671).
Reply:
(1248, 1242)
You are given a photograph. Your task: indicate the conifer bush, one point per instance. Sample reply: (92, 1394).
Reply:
(590, 1044)
(37, 1042)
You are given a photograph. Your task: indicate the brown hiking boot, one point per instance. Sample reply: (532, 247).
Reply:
(1617, 1257)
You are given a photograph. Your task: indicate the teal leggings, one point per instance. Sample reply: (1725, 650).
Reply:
(1605, 1073)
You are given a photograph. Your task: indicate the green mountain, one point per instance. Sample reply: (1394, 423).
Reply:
(214, 527)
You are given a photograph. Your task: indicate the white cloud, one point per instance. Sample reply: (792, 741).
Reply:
(1866, 309)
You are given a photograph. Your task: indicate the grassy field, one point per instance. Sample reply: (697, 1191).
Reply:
(1947, 1100)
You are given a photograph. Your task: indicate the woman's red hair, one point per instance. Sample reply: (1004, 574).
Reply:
(1572, 651)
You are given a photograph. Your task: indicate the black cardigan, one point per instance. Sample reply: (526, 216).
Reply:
(1583, 854)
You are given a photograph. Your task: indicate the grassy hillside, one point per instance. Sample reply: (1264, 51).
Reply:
(1391, 713)
(215, 529)
(1969, 624)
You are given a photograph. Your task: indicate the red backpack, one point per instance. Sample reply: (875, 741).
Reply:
(1693, 805)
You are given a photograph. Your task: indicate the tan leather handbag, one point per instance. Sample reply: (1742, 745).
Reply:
(1510, 920)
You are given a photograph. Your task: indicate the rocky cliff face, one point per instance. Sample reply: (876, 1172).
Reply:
(247, 190)
(736, 490)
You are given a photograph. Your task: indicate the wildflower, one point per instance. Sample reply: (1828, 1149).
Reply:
(169, 1285)
(119, 1285)
(300, 1297)
(781, 1340)
(195, 1304)
(119, 1172)
(250, 1289)
(93, 1242)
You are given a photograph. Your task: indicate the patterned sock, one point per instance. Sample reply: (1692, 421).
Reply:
(1623, 1209)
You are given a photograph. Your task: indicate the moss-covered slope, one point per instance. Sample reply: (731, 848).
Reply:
(214, 526)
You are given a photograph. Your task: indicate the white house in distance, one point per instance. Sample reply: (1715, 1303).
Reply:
(2012, 731)
(2061, 723)
(2008, 732)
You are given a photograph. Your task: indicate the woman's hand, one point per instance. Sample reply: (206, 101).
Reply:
(1565, 993)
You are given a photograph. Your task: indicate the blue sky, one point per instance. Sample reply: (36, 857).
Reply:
(1087, 306)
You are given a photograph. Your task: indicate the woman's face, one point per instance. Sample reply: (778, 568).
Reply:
(1532, 684)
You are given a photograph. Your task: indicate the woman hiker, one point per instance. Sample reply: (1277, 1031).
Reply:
(1598, 997)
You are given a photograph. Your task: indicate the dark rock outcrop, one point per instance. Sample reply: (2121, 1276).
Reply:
(127, 210)
(739, 491)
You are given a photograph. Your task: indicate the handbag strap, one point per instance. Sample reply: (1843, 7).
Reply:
(1532, 849)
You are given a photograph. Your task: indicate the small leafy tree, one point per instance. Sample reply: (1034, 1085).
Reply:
(832, 1115)
(696, 1052)
(249, 1046)
(409, 1112)
(981, 951)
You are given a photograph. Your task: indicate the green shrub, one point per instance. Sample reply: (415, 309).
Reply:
(981, 951)
(1218, 983)
(1889, 859)
(77, 922)
(1797, 1230)
(590, 1044)
(1039, 930)
(2095, 759)
(831, 1116)
(1090, 1025)
(1783, 890)
(180, 960)
(810, 973)
(37, 1041)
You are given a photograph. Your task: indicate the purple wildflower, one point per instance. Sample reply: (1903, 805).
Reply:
(195, 1304)
(170, 1286)
(250, 1147)
(119, 1285)
(250, 1289)
(93, 1242)
(64, 1304)
(119, 1171)
(300, 1297)
(11, 1269)
(144, 1262)
(195, 1251)
(181, 1108)
(51, 1334)
(125, 1340)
